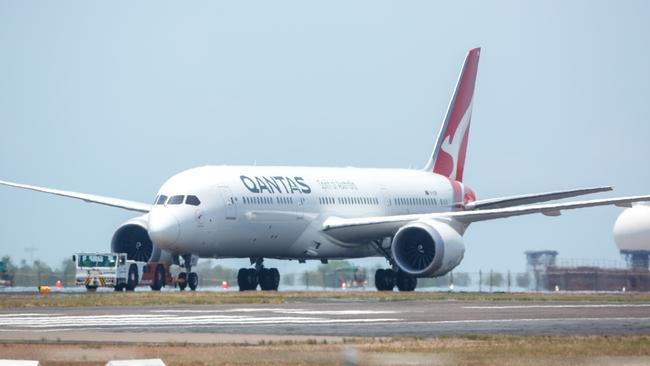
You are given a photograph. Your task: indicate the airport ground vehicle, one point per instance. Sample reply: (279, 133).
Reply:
(114, 270)
(158, 275)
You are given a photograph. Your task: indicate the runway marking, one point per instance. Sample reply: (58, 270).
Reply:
(563, 306)
(281, 311)
(343, 322)
(30, 314)
(86, 321)
(527, 320)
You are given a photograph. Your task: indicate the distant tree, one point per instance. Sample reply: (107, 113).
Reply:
(68, 272)
(313, 279)
(9, 266)
(289, 279)
(522, 280)
(462, 279)
(332, 266)
(441, 281)
(493, 279)
(211, 274)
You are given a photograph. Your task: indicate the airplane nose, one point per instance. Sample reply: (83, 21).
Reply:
(164, 229)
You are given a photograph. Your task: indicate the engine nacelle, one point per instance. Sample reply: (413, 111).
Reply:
(133, 239)
(427, 248)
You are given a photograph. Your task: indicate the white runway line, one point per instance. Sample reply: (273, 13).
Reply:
(563, 306)
(86, 321)
(280, 311)
(29, 314)
(524, 320)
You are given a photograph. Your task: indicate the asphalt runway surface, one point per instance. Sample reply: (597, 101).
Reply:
(295, 320)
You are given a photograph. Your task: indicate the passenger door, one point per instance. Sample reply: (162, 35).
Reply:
(229, 202)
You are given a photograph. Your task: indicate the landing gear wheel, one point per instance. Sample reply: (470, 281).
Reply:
(91, 288)
(159, 278)
(269, 279)
(192, 280)
(275, 276)
(241, 279)
(384, 280)
(264, 279)
(133, 278)
(247, 279)
(182, 281)
(405, 282)
(120, 287)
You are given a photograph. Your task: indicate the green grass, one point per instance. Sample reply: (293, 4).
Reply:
(479, 351)
(258, 297)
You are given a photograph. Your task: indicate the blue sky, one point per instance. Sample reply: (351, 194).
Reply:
(113, 98)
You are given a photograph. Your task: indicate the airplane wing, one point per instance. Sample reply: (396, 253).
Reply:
(356, 229)
(532, 198)
(102, 200)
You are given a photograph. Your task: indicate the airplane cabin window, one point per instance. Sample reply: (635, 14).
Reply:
(161, 200)
(176, 200)
(192, 200)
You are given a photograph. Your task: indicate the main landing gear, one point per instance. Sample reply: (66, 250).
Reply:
(387, 279)
(187, 278)
(267, 278)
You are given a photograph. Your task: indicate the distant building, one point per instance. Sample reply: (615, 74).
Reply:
(632, 236)
(597, 279)
(537, 264)
(547, 275)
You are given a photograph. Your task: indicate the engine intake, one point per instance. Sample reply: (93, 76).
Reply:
(427, 248)
(133, 239)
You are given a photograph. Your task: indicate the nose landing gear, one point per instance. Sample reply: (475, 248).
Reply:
(187, 278)
(267, 278)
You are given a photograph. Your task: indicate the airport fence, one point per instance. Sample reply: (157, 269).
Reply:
(340, 275)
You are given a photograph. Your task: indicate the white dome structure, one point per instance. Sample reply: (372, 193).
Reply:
(632, 234)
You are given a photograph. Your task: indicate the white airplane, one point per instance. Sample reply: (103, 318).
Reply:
(414, 218)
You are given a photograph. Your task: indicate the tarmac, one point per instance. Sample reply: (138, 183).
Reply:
(329, 319)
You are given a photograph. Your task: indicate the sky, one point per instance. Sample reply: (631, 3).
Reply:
(113, 98)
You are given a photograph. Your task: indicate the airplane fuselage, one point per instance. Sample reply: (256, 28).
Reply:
(278, 211)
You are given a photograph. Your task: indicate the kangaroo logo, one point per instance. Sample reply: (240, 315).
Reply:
(451, 144)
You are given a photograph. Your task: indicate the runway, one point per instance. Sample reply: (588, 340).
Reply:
(229, 323)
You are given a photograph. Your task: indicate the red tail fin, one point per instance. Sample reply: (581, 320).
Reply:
(448, 157)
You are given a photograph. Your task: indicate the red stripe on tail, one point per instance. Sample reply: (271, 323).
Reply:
(451, 147)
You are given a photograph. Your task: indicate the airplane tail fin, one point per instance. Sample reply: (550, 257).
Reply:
(448, 156)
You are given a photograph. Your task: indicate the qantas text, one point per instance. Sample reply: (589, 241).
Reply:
(275, 184)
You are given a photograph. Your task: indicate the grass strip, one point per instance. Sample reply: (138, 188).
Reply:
(257, 297)
(479, 350)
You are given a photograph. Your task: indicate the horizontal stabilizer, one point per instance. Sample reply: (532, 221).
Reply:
(532, 198)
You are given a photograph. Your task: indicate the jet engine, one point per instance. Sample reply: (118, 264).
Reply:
(133, 239)
(427, 248)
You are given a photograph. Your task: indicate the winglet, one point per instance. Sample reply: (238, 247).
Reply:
(448, 156)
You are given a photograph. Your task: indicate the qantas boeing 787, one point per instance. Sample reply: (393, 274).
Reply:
(414, 218)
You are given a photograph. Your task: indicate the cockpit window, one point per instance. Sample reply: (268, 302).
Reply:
(192, 200)
(161, 200)
(176, 200)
